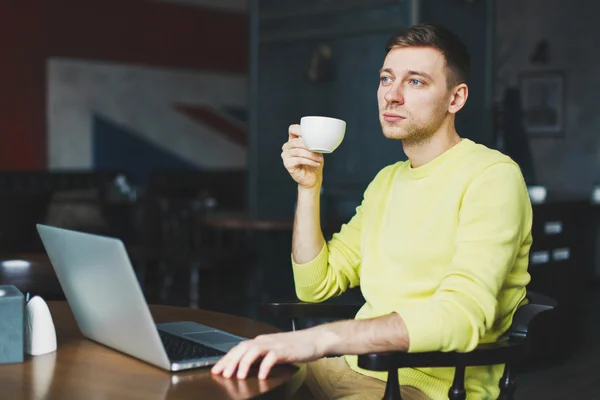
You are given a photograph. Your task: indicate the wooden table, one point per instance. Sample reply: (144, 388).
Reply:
(243, 221)
(82, 369)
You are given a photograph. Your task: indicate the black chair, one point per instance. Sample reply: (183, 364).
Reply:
(511, 348)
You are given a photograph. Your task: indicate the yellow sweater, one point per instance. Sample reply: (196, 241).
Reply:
(446, 246)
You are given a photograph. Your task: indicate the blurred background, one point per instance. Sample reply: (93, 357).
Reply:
(161, 123)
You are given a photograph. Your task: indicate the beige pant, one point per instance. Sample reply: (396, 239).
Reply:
(333, 379)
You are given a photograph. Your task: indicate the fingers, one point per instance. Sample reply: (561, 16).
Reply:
(273, 349)
(229, 362)
(295, 162)
(241, 358)
(302, 156)
(294, 143)
(267, 363)
(294, 131)
(247, 360)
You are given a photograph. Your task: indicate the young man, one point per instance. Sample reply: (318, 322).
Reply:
(439, 245)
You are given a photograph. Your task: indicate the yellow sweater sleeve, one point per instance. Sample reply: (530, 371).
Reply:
(494, 216)
(337, 266)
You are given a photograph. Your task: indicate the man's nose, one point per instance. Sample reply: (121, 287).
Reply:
(394, 94)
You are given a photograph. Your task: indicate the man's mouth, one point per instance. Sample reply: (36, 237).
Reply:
(391, 117)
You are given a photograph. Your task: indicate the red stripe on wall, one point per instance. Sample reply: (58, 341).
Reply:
(132, 31)
(22, 97)
(210, 117)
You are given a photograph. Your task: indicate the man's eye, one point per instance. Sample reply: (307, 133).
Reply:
(415, 82)
(385, 79)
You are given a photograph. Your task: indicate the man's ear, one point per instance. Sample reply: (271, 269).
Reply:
(460, 94)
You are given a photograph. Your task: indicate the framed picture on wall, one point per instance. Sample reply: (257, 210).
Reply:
(543, 102)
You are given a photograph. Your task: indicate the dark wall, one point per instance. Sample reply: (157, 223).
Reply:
(285, 35)
(565, 162)
(473, 22)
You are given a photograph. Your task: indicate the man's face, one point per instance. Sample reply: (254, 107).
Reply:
(413, 95)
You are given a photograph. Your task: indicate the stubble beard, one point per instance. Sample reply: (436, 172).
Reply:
(412, 133)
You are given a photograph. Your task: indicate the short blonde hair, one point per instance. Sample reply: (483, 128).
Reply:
(440, 38)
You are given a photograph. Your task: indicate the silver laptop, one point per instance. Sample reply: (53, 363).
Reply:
(106, 299)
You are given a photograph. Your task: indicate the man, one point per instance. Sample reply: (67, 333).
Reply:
(439, 245)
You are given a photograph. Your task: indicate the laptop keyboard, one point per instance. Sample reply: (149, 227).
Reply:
(180, 349)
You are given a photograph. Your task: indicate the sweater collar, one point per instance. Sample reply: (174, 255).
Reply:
(425, 170)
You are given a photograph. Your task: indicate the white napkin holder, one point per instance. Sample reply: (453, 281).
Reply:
(40, 335)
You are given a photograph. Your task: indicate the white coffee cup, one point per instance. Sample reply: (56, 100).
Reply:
(322, 134)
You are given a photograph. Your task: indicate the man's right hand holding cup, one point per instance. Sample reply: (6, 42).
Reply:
(304, 166)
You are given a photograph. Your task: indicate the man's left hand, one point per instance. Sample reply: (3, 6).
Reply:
(299, 346)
